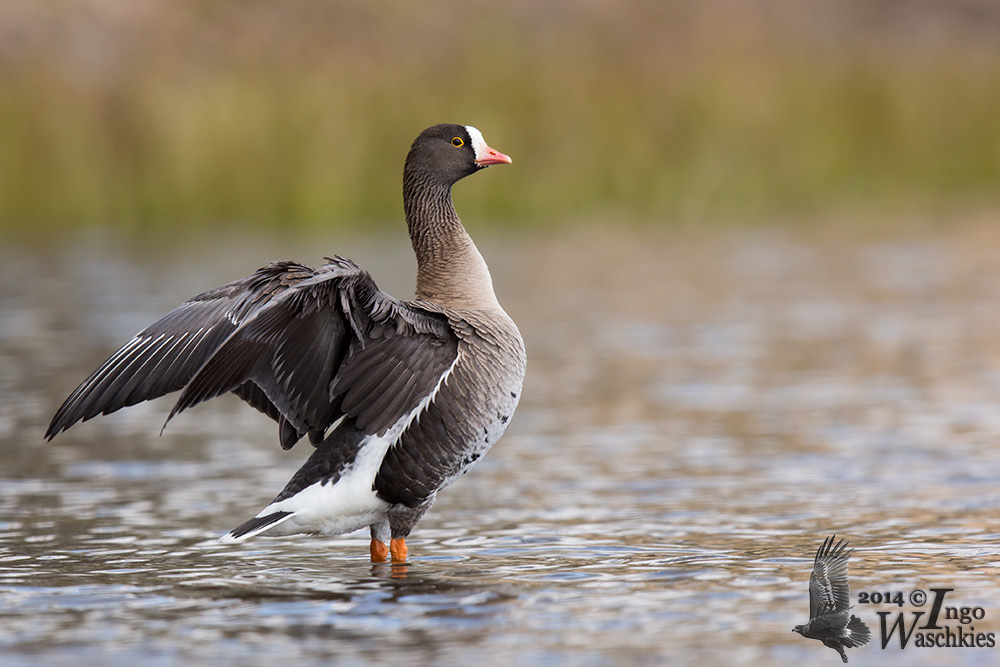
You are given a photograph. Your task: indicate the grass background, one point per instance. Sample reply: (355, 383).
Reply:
(149, 115)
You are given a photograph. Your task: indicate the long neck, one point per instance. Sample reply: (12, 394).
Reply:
(450, 270)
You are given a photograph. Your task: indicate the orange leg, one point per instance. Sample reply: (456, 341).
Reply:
(397, 547)
(379, 551)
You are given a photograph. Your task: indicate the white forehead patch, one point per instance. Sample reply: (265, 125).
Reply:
(478, 143)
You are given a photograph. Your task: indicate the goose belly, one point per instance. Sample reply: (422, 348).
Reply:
(493, 419)
(466, 417)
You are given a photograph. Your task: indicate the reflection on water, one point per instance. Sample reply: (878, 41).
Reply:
(700, 412)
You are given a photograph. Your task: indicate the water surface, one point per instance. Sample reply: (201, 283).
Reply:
(700, 412)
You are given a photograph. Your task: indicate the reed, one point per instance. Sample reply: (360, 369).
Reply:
(304, 124)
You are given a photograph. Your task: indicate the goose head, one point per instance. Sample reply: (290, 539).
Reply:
(446, 153)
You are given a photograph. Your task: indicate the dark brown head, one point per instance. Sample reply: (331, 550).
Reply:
(446, 153)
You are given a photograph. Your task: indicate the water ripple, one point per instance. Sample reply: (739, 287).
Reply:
(659, 497)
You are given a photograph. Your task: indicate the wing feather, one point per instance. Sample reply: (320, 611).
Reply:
(334, 346)
(829, 590)
(164, 357)
(305, 347)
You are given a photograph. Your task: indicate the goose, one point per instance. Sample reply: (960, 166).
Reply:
(399, 398)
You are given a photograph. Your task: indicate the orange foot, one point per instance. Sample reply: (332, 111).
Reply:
(397, 547)
(379, 551)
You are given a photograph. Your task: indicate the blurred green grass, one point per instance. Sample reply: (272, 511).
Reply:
(298, 115)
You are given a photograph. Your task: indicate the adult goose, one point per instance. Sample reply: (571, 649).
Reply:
(400, 398)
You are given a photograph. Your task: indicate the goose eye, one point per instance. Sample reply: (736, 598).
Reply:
(457, 141)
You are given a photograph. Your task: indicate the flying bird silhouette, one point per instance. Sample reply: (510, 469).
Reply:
(830, 620)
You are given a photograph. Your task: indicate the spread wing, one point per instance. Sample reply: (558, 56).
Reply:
(829, 591)
(289, 341)
(165, 356)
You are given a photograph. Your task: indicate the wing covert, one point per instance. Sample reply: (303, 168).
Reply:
(333, 346)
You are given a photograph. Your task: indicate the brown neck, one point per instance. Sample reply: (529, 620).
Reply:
(450, 270)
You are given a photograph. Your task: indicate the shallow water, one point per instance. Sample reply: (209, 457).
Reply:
(700, 412)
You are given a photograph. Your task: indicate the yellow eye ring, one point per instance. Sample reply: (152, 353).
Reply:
(457, 142)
